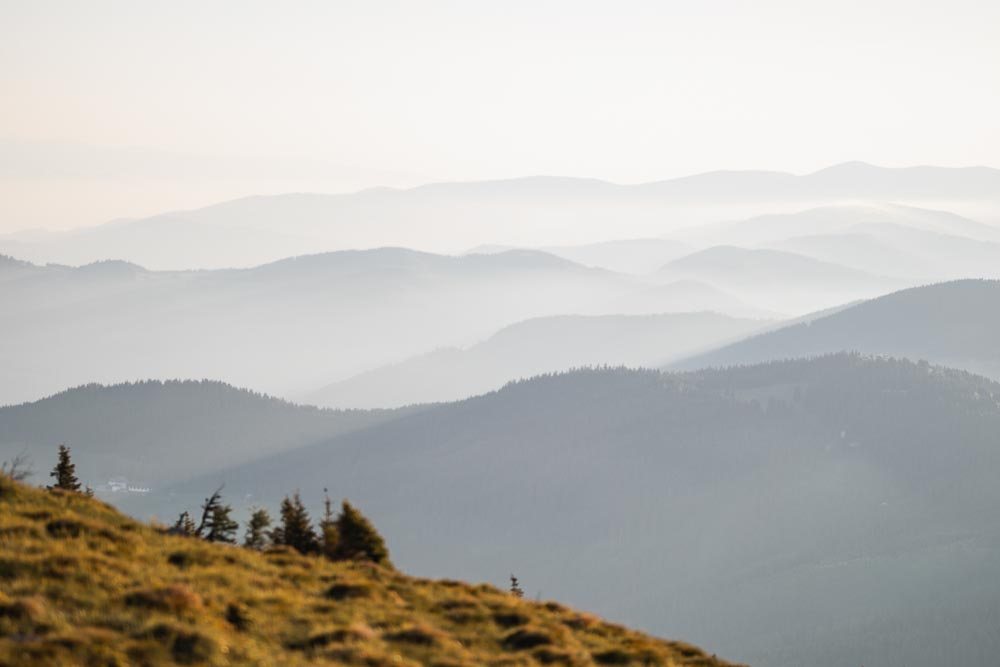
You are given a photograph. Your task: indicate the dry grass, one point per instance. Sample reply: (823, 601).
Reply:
(80, 584)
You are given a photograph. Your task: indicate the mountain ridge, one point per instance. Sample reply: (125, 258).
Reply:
(950, 322)
(533, 211)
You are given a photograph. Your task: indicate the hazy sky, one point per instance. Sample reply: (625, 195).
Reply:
(114, 109)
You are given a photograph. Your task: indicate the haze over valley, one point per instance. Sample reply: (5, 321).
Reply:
(451, 334)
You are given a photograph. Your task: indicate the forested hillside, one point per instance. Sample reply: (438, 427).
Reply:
(800, 512)
(154, 433)
(955, 324)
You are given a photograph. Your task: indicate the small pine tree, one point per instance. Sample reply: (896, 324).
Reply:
(184, 525)
(296, 529)
(329, 534)
(357, 538)
(256, 536)
(515, 587)
(65, 472)
(220, 526)
(208, 509)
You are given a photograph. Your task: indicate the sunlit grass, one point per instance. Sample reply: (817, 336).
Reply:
(80, 584)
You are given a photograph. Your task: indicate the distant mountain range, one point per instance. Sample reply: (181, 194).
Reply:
(905, 252)
(533, 347)
(955, 324)
(293, 325)
(777, 280)
(449, 217)
(636, 256)
(884, 240)
(835, 219)
(803, 512)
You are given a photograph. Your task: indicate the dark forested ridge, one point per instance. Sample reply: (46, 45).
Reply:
(156, 432)
(800, 512)
(955, 324)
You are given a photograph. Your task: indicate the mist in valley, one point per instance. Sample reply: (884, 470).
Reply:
(523, 311)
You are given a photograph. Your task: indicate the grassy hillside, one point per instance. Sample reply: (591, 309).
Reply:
(81, 584)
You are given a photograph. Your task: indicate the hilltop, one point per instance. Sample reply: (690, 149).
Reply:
(156, 432)
(82, 584)
(955, 324)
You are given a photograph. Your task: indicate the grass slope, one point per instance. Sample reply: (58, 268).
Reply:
(81, 584)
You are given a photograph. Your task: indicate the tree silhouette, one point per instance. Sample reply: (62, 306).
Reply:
(256, 536)
(296, 529)
(65, 472)
(357, 538)
(329, 534)
(515, 587)
(184, 525)
(220, 526)
(208, 508)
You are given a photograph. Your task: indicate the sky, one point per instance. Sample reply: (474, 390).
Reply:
(124, 109)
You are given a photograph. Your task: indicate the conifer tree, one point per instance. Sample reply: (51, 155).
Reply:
(296, 529)
(208, 509)
(184, 525)
(220, 526)
(328, 532)
(65, 472)
(515, 587)
(256, 536)
(357, 538)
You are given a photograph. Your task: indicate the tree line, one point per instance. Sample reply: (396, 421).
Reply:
(348, 535)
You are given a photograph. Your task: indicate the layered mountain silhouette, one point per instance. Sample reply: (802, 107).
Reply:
(836, 219)
(955, 323)
(534, 211)
(296, 324)
(635, 256)
(530, 348)
(822, 512)
(777, 280)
